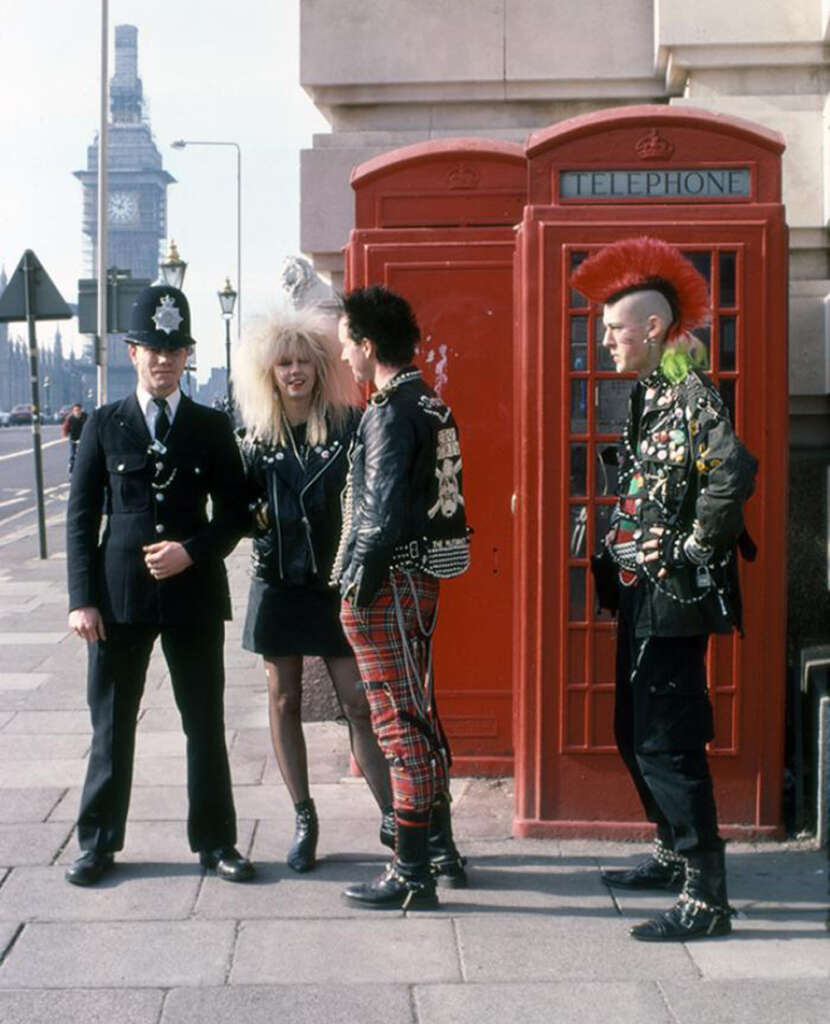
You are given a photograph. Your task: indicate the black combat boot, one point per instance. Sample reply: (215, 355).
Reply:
(388, 828)
(445, 861)
(702, 910)
(302, 855)
(662, 869)
(407, 883)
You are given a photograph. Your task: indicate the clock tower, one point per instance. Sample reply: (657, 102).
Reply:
(137, 193)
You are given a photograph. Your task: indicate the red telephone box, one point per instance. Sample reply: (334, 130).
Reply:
(435, 222)
(712, 186)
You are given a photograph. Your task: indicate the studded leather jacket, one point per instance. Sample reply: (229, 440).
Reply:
(294, 494)
(683, 469)
(404, 503)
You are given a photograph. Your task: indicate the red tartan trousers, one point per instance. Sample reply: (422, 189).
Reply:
(392, 643)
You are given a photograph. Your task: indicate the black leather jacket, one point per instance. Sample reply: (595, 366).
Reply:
(683, 468)
(404, 489)
(296, 505)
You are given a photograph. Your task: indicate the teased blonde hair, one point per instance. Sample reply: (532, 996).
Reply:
(309, 334)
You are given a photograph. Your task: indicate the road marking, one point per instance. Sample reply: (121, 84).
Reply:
(57, 492)
(28, 451)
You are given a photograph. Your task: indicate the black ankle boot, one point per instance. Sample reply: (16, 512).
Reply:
(407, 883)
(388, 828)
(662, 869)
(445, 861)
(702, 909)
(302, 855)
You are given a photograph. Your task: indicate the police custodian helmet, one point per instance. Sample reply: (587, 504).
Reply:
(160, 318)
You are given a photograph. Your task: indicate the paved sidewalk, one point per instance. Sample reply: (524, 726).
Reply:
(537, 937)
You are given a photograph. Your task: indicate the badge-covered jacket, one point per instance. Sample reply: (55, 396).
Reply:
(151, 493)
(682, 468)
(296, 540)
(404, 503)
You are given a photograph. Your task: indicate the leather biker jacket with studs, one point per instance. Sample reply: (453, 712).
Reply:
(682, 469)
(294, 496)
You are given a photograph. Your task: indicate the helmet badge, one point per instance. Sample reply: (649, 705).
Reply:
(167, 317)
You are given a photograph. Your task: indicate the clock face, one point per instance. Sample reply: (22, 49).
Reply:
(122, 208)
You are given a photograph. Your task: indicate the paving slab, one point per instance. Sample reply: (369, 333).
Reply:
(162, 771)
(8, 930)
(39, 722)
(92, 1006)
(31, 844)
(278, 892)
(130, 892)
(24, 805)
(20, 747)
(19, 638)
(43, 772)
(766, 948)
(159, 842)
(542, 1003)
(22, 680)
(748, 1002)
(400, 949)
(5, 717)
(559, 945)
(130, 954)
(147, 803)
(309, 1004)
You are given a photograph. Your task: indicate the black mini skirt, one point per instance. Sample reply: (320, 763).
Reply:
(286, 620)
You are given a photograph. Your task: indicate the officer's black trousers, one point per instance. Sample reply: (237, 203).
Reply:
(115, 683)
(662, 723)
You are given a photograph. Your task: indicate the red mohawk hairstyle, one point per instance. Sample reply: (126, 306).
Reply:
(646, 264)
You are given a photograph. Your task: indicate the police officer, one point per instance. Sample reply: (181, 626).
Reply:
(148, 463)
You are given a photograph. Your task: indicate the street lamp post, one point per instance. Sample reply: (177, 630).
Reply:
(227, 300)
(181, 144)
(172, 268)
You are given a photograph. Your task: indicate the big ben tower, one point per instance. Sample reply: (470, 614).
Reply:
(137, 200)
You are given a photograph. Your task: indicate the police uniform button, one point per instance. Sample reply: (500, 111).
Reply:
(120, 467)
(280, 455)
(159, 467)
(159, 527)
(159, 497)
(197, 470)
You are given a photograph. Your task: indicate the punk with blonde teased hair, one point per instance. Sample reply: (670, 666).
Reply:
(283, 335)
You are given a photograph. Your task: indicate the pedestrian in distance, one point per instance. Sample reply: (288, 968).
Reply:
(149, 463)
(684, 477)
(71, 429)
(299, 407)
(404, 529)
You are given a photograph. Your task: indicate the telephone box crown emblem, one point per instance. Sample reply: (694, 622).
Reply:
(463, 176)
(652, 146)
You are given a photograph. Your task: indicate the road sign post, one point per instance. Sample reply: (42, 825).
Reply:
(30, 295)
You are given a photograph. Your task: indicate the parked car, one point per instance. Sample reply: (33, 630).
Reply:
(20, 414)
(4, 418)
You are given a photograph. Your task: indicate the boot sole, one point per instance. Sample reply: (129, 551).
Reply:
(720, 933)
(653, 886)
(421, 904)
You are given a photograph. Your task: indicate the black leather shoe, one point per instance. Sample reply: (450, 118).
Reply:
(228, 863)
(394, 890)
(446, 863)
(662, 869)
(89, 867)
(303, 853)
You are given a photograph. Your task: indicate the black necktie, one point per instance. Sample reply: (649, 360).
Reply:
(162, 419)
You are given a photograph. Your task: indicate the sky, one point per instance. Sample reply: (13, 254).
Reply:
(210, 70)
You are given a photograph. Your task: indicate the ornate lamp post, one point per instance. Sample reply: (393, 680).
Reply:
(227, 300)
(172, 268)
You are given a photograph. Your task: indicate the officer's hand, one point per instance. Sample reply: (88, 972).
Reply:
(166, 558)
(88, 624)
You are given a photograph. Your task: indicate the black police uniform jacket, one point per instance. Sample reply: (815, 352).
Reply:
(683, 468)
(404, 503)
(296, 498)
(145, 496)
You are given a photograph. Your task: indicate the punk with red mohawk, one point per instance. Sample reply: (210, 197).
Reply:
(646, 264)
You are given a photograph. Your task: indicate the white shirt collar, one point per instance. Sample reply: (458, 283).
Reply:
(149, 408)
